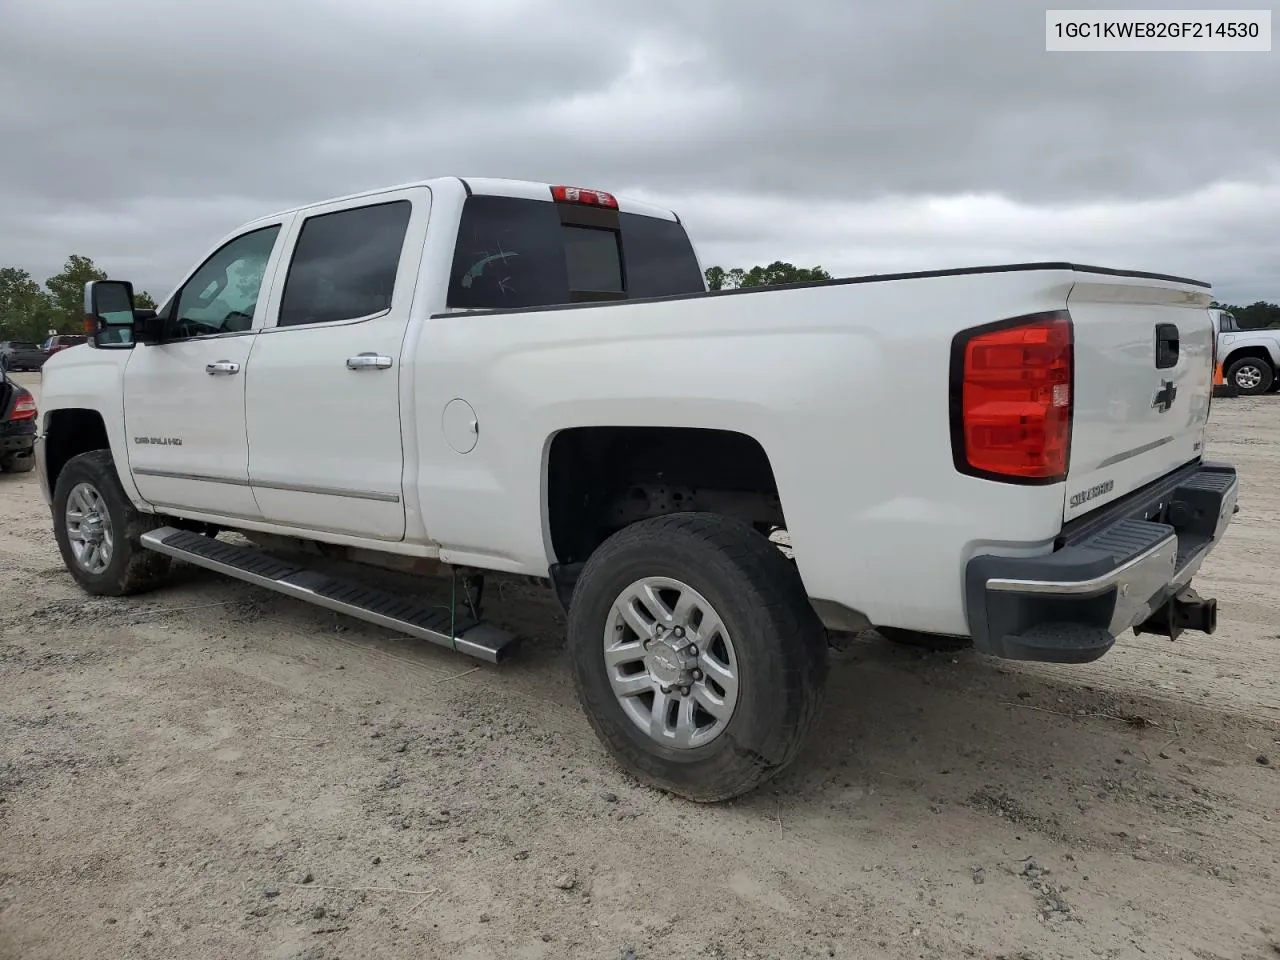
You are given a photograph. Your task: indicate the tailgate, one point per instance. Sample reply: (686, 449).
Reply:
(1143, 382)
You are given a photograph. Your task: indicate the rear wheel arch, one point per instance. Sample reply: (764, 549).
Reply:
(601, 479)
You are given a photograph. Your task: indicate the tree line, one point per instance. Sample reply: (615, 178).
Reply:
(28, 311)
(1256, 316)
(776, 273)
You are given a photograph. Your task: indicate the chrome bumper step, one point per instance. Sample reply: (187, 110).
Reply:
(432, 622)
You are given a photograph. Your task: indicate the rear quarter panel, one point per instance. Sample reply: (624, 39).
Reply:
(845, 386)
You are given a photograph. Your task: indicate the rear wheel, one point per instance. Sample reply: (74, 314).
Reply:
(98, 529)
(1250, 375)
(697, 656)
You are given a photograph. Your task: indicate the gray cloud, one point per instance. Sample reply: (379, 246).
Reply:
(138, 132)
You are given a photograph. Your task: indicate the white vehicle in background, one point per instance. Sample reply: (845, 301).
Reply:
(479, 376)
(1250, 359)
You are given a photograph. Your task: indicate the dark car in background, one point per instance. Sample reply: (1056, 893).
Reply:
(17, 426)
(21, 355)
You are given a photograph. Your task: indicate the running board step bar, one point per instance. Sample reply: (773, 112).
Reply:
(423, 620)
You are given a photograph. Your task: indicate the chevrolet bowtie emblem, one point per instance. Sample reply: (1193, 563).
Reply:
(1164, 397)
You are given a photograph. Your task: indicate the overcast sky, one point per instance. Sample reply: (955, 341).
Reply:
(862, 136)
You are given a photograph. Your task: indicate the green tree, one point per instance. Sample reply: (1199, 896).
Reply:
(25, 310)
(67, 292)
(143, 300)
(775, 274)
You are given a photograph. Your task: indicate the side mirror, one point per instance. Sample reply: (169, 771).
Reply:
(111, 319)
(108, 313)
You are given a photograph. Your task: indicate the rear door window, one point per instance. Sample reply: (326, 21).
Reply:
(514, 253)
(344, 264)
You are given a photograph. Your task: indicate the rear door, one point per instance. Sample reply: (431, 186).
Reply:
(323, 392)
(1143, 382)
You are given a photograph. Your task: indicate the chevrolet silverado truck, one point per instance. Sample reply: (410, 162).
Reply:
(1250, 359)
(481, 376)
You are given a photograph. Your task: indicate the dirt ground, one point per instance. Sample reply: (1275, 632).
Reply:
(213, 771)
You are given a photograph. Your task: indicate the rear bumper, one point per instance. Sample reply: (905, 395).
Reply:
(1130, 567)
(17, 444)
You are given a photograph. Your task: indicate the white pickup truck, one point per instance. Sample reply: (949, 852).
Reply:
(498, 376)
(1249, 360)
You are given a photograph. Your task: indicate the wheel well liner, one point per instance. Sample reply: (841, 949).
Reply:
(71, 432)
(600, 479)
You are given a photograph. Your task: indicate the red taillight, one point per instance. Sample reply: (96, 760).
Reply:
(1011, 401)
(592, 198)
(24, 409)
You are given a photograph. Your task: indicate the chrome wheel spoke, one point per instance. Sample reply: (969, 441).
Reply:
(686, 729)
(632, 686)
(658, 728)
(641, 627)
(624, 653)
(685, 608)
(708, 629)
(720, 673)
(648, 595)
(715, 705)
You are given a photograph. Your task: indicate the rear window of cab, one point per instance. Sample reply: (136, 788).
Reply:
(515, 253)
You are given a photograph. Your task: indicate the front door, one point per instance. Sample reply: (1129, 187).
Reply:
(184, 397)
(323, 386)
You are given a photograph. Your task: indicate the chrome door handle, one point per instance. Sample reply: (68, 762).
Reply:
(368, 361)
(222, 367)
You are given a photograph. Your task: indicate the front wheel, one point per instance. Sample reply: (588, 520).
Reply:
(1250, 376)
(98, 529)
(697, 657)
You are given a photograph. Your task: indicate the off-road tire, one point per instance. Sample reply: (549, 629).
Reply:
(132, 569)
(1264, 383)
(934, 642)
(780, 644)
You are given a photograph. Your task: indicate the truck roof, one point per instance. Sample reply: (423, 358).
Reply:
(485, 186)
